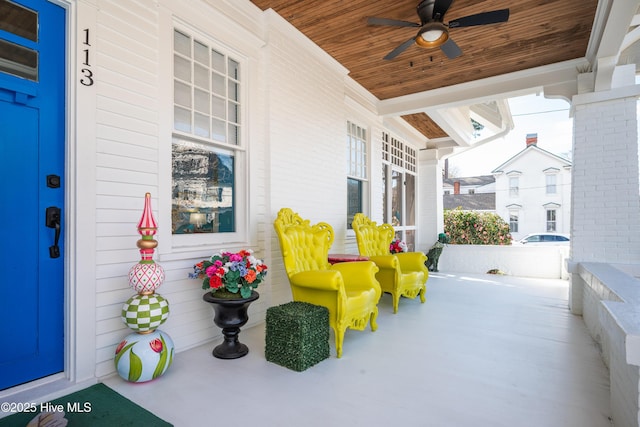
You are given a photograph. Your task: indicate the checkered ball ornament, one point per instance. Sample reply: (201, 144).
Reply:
(144, 313)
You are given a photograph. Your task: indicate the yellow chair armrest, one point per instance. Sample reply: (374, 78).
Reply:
(324, 280)
(412, 261)
(355, 268)
(359, 275)
(385, 261)
(362, 271)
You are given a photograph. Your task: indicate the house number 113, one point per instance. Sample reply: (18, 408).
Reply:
(87, 74)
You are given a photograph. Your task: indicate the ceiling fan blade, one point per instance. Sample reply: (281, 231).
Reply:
(485, 18)
(440, 8)
(398, 50)
(451, 49)
(392, 22)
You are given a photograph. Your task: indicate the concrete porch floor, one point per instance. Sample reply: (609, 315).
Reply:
(484, 350)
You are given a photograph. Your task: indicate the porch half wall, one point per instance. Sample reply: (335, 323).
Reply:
(545, 262)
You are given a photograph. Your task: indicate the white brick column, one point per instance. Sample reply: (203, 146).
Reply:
(429, 215)
(605, 217)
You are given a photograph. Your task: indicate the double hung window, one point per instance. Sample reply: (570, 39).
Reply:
(399, 166)
(513, 221)
(551, 187)
(514, 186)
(208, 153)
(357, 170)
(551, 220)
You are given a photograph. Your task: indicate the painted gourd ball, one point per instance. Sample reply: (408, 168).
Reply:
(143, 357)
(146, 277)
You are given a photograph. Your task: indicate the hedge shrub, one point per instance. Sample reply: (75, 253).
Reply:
(475, 228)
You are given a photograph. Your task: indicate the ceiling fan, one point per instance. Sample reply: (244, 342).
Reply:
(433, 31)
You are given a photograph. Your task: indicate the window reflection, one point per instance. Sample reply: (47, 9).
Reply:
(385, 192)
(16, 59)
(396, 198)
(354, 199)
(18, 20)
(410, 196)
(202, 189)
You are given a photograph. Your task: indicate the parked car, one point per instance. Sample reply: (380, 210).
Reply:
(536, 239)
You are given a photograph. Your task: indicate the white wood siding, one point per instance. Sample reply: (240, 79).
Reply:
(298, 101)
(131, 97)
(126, 157)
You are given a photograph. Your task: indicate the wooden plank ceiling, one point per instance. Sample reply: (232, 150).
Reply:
(539, 32)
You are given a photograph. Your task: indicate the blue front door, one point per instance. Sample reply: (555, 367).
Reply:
(32, 180)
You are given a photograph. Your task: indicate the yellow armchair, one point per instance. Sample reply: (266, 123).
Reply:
(403, 274)
(349, 290)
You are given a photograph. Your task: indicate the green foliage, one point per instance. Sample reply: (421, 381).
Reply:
(476, 126)
(475, 228)
(297, 335)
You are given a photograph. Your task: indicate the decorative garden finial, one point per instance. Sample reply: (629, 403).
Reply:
(147, 227)
(147, 353)
(146, 276)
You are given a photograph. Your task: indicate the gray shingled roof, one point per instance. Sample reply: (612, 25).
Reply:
(471, 202)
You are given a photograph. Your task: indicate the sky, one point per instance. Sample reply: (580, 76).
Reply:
(549, 118)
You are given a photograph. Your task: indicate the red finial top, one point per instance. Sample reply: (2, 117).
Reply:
(147, 225)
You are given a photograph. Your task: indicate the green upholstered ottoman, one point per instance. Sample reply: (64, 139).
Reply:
(297, 335)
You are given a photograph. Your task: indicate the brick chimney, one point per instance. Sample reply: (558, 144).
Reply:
(456, 187)
(532, 139)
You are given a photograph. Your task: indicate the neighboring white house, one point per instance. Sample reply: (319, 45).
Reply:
(533, 191)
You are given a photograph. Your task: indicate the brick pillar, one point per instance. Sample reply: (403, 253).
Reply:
(605, 201)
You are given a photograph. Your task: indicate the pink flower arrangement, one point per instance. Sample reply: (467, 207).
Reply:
(397, 246)
(234, 273)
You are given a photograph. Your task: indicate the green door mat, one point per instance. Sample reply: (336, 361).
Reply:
(96, 406)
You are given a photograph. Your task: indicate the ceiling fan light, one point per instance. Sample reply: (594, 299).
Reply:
(432, 35)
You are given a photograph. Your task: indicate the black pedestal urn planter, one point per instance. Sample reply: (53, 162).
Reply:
(230, 315)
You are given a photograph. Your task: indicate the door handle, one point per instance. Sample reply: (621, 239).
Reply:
(52, 220)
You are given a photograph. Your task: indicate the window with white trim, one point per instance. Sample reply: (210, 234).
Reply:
(551, 219)
(514, 186)
(357, 170)
(514, 216)
(399, 163)
(551, 183)
(207, 149)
